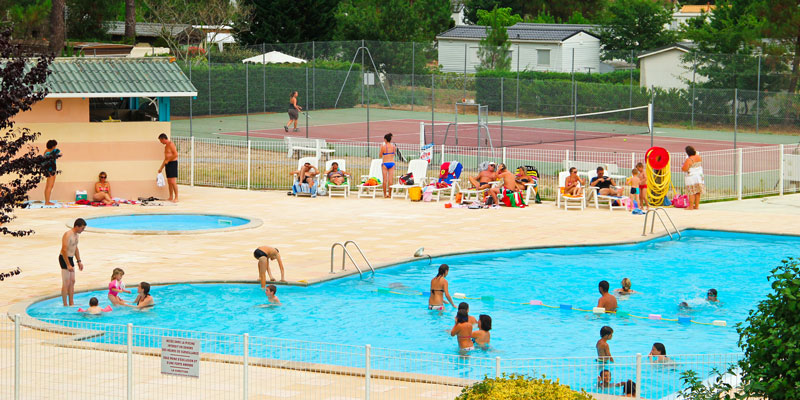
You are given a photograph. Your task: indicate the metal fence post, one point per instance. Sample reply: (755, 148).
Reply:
(781, 158)
(313, 75)
(412, 74)
(638, 374)
(209, 81)
(433, 106)
(735, 114)
(366, 371)
(247, 100)
(264, 77)
(504, 155)
(17, 369)
(518, 57)
(190, 101)
(758, 92)
(502, 95)
(465, 73)
(739, 174)
(633, 161)
(129, 385)
(191, 164)
(362, 72)
(694, 75)
(249, 161)
(497, 359)
(245, 347)
(630, 91)
(307, 101)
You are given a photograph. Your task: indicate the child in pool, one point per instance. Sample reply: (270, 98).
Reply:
(465, 306)
(270, 291)
(115, 287)
(626, 288)
(604, 380)
(633, 182)
(643, 201)
(481, 337)
(603, 350)
(94, 308)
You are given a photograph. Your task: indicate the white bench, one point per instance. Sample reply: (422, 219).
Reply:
(317, 146)
(587, 168)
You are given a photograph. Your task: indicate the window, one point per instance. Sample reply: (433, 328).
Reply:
(543, 57)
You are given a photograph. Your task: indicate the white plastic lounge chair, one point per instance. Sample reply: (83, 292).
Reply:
(374, 172)
(470, 195)
(606, 199)
(565, 199)
(314, 161)
(450, 191)
(333, 189)
(419, 170)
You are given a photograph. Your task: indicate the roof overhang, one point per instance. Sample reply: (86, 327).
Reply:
(114, 95)
(512, 41)
(664, 50)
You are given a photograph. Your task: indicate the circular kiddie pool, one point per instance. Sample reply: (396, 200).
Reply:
(172, 223)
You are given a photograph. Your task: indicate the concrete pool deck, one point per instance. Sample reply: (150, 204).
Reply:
(303, 229)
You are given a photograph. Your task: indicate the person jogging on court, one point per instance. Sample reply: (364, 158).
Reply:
(294, 112)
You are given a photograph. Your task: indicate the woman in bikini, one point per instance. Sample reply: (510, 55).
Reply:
(463, 330)
(144, 299)
(336, 175)
(387, 155)
(439, 290)
(102, 190)
(481, 337)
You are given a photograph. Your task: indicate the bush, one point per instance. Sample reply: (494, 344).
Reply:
(770, 337)
(617, 77)
(514, 386)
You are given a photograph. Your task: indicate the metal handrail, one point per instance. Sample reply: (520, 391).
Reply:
(653, 222)
(345, 252)
(362, 254)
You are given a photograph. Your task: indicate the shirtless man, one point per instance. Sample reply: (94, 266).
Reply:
(509, 184)
(306, 174)
(263, 254)
(484, 178)
(607, 300)
(66, 259)
(171, 164)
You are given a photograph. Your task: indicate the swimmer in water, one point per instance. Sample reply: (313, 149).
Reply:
(439, 290)
(463, 330)
(143, 299)
(711, 296)
(658, 353)
(481, 337)
(604, 380)
(684, 306)
(270, 291)
(603, 350)
(465, 306)
(94, 308)
(625, 289)
(606, 300)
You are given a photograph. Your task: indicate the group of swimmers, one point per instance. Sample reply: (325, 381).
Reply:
(463, 328)
(143, 298)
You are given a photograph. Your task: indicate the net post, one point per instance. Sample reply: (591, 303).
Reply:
(422, 133)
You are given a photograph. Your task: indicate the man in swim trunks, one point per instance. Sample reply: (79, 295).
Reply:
(484, 178)
(509, 184)
(263, 254)
(607, 300)
(66, 260)
(171, 164)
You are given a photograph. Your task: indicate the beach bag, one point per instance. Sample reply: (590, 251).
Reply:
(667, 203)
(680, 201)
(407, 179)
(427, 195)
(415, 193)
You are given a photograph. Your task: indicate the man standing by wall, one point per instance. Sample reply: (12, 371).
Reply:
(171, 164)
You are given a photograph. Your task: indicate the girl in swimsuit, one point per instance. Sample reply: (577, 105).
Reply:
(481, 337)
(626, 288)
(102, 190)
(115, 287)
(439, 290)
(463, 329)
(144, 299)
(465, 306)
(387, 155)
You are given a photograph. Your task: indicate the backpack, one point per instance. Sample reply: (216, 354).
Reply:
(407, 179)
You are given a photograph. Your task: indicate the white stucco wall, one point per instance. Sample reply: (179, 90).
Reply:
(587, 53)
(666, 70)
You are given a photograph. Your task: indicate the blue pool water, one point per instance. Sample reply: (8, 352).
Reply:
(165, 222)
(353, 311)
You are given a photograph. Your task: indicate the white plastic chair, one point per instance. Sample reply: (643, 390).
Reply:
(333, 189)
(374, 172)
(314, 161)
(567, 199)
(608, 199)
(419, 170)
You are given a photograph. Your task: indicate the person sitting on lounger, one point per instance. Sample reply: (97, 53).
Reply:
(573, 183)
(485, 178)
(509, 184)
(306, 175)
(522, 178)
(605, 185)
(335, 175)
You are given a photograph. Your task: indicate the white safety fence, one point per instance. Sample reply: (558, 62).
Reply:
(265, 164)
(43, 359)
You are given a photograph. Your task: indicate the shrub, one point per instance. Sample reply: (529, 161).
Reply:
(770, 337)
(621, 77)
(515, 386)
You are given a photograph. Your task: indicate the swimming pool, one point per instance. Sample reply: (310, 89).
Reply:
(165, 223)
(355, 311)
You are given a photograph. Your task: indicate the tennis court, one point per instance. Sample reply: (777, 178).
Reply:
(592, 134)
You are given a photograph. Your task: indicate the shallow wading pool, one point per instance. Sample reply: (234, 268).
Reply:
(167, 223)
(390, 310)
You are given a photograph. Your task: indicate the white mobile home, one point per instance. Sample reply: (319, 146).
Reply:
(665, 68)
(534, 47)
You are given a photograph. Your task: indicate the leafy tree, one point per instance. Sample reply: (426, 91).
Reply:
(770, 337)
(286, 21)
(88, 19)
(28, 19)
(782, 25)
(21, 168)
(559, 10)
(635, 25)
(494, 51)
(544, 17)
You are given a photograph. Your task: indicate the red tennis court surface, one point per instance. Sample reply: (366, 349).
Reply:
(407, 131)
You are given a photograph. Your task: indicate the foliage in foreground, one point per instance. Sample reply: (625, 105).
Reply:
(515, 386)
(695, 389)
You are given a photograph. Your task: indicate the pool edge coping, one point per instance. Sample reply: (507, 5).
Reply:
(21, 307)
(252, 224)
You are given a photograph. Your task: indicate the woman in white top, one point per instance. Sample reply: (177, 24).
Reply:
(695, 186)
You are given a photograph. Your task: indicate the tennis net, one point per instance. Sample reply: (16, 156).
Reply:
(533, 131)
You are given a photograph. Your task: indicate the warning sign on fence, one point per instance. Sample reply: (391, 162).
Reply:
(180, 356)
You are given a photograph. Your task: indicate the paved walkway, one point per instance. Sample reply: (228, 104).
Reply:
(303, 229)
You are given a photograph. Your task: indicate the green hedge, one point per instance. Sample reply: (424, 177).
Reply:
(616, 77)
(269, 88)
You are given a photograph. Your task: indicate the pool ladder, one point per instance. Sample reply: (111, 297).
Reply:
(655, 213)
(345, 252)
